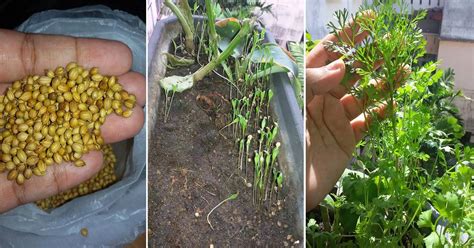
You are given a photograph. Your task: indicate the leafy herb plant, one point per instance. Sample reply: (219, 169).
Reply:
(410, 183)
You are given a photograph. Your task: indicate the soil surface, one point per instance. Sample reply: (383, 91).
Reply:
(193, 167)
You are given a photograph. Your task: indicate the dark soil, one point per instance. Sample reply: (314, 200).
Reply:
(193, 167)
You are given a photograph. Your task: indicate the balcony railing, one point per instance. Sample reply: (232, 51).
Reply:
(426, 4)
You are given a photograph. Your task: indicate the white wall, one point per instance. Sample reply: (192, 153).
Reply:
(320, 12)
(460, 56)
(152, 15)
(286, 23)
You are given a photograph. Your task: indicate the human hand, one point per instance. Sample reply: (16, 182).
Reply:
(334, 119)
(26, 54)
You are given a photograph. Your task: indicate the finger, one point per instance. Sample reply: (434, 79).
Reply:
(338, 125)
(361, 123)
(27, 54)
(314, 111)
(117, 128)
(354, 106)
(323, 79)
(58, 178)
(340, 90)
(320, 55)
(134, 83)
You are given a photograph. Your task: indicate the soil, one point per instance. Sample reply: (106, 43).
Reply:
(193, 167)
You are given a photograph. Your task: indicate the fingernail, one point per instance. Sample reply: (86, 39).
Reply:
(335, 65)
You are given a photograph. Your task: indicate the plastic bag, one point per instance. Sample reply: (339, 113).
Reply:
(116, 215)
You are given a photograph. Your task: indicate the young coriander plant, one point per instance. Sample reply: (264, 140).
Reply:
(413, 181)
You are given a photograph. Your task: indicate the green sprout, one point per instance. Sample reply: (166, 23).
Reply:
(230, 198)
(241, 152)
(275, 152)
(168, 103)
(269, 99)
(263, 184)
(247, 150)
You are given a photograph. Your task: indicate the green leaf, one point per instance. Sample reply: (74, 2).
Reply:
(424, 220)
(311, 223)
(349, 218)
(279, 180)
(227, 29)
(177, 83)
(328, 202)
(233, 196)
(274, 54)
(449, 206)
(433, 241)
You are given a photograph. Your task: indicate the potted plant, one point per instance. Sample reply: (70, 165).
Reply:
(232, 113)
(410, 184)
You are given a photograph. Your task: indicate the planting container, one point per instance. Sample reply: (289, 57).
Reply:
(284, 105)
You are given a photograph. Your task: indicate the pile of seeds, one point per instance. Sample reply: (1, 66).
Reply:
(56, 117)
(105, 177)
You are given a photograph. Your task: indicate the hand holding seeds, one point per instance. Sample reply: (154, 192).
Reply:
(53, 123)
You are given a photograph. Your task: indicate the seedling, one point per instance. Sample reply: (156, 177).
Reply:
(258, 161)
(247, 150)
(263, 182)
(230, 198)
(269, 99)
(277, 179)
(168, 103)
(241, 152)
(275, 152)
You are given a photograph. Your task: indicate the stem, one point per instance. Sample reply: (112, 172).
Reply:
(231, 197)
(265, 176)
(212, 28)
(268, 71)
(203, 71)
(325, 217)
(405, 230)
(189, 35)
(166, 104)
(186, 10)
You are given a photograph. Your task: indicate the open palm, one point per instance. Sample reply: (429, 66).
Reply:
(25, 54)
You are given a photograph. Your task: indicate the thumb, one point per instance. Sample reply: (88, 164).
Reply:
(321, 80)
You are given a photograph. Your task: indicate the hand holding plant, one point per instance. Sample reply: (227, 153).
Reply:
(336, 118)
(409, 185)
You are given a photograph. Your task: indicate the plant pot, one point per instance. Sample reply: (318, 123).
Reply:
(284, 105)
